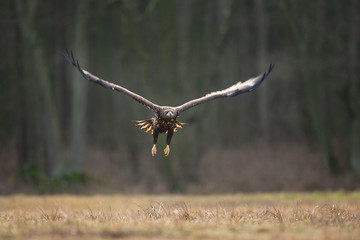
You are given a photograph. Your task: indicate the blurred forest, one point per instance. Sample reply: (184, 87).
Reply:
(300, 130)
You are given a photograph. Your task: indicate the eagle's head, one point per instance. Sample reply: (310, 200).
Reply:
(168, 113)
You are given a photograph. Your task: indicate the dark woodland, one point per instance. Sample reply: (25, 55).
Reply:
(299, 131)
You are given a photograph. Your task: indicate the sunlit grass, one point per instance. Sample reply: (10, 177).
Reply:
(250, 216)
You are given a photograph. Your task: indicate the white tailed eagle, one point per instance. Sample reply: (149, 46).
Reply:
(164, 120)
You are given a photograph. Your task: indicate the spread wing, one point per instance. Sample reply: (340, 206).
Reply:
(240, 87)
(106, 84)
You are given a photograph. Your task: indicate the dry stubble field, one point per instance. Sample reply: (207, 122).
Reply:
(241, 216)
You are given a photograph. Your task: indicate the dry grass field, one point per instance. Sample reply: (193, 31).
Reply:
(241, 216)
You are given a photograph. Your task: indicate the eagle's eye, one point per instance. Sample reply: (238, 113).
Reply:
(169, 114)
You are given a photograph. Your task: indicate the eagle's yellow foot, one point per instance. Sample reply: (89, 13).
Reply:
(167, 150)
(153, 150)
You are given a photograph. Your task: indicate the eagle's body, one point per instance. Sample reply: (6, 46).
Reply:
(164, 120)
(164, 125)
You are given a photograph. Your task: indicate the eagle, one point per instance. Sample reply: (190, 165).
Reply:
(165, 117)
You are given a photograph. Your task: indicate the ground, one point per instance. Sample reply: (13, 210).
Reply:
(318, 215)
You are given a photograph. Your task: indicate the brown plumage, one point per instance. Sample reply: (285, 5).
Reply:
(164, 120)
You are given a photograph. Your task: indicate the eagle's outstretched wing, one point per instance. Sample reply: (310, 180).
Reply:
(240, 87)
(106, 84)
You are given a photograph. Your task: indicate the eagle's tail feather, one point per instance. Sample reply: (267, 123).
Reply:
(146, 125)
(178, 125)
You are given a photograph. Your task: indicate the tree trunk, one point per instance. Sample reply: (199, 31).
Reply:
(262, 34)
(79, 90)
(307, 37)
(312, 48)
(354, 91)
(48, 114)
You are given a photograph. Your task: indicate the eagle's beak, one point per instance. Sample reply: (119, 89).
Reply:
(169, 114)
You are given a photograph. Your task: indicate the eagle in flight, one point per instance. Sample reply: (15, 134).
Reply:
(164, 120)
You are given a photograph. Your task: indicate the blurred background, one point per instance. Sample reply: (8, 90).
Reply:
(299, 131)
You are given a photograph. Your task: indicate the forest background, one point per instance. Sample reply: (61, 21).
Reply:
(299, 131)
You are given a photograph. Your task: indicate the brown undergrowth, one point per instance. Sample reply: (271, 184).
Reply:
(249, 168)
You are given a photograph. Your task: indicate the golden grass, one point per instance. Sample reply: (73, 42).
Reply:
(241, 216)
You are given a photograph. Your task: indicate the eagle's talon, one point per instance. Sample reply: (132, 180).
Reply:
(167, 150)
(153, 150)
